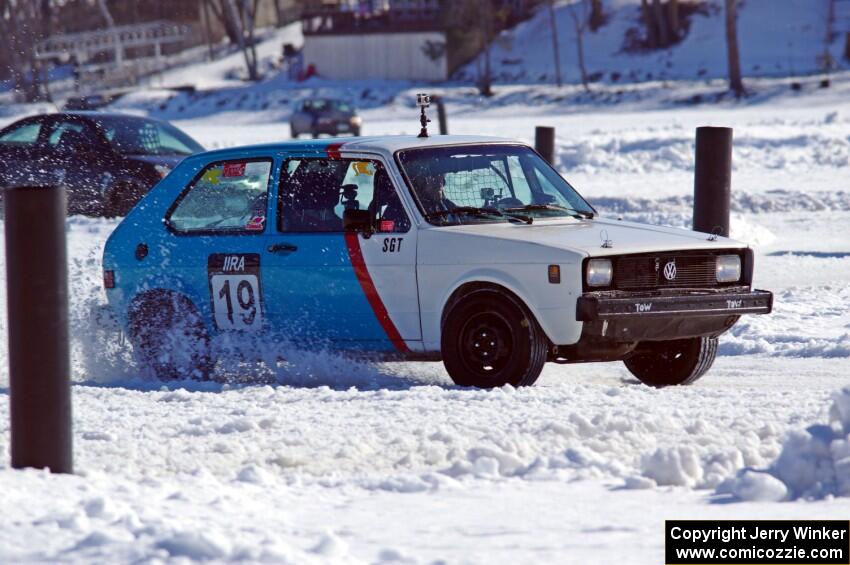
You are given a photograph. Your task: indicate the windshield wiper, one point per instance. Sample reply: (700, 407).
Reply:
(479, 212)
(555, 207)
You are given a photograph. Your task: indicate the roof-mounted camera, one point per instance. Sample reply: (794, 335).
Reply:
(423, 101)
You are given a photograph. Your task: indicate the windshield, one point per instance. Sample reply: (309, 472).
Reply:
(487, 183)
(138, 136)
(321, 105)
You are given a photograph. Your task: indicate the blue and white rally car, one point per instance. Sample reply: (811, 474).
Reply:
(472, 250)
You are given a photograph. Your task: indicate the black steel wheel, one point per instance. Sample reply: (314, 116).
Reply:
(490, 339)
(170, 338)
(671, 363)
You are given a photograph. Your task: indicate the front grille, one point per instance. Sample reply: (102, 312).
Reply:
(647, 272)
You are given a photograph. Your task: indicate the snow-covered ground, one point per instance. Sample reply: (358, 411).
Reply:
(321, 460)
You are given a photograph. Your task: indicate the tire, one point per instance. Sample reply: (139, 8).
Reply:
(490, 339)
(672, 363)
(170, 338)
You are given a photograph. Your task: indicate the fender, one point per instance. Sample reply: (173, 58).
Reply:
(490, 276)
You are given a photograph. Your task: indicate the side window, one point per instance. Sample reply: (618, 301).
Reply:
(71, 136)
(228, 196)
(24, 134)
(315, 193)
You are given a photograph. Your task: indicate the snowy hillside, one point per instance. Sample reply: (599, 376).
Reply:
(776, 37)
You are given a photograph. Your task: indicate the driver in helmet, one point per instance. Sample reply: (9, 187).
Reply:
(430, 189)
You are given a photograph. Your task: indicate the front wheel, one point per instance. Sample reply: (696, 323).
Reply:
(671, 363)
(170, 338)
(490, 339)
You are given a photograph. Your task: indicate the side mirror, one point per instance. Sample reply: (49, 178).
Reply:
(357, 221)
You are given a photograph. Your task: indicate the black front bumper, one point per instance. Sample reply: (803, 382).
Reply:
(618, 305)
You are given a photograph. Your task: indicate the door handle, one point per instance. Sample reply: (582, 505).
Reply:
(282, 248)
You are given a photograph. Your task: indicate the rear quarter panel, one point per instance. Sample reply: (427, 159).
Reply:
(144, 224)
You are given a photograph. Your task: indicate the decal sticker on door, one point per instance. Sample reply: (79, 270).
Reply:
(235, 291)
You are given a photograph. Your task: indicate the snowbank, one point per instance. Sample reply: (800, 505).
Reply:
(815, 463)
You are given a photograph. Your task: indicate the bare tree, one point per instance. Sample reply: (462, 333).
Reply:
(597, 15)
(675, 24)
(555, 50)
(22, 26)
(661, 23)
(104, 11)
(485, 81)
(735, 82)
(239, 19)
(649, 22)
(580, 14)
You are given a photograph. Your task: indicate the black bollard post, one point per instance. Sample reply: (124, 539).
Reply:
(544, 143)
(441, 117)
(713, 180)
(37, 296)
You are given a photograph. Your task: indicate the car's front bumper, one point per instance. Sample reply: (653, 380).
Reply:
(594, 306)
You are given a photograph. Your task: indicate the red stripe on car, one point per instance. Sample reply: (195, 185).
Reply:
(356, 255)
(333, 150)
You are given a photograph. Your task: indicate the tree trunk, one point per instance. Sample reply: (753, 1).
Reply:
(207, 29)
(661, 23)
(581, 65)
(555, 50)
(485, 86)
(673, 12)
(231, 27)
(278, 13)
(649, 22)
(597, 15)
(104, 11)
(735, 82)
(847, 46)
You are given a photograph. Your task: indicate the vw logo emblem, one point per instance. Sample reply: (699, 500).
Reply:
(670, 271)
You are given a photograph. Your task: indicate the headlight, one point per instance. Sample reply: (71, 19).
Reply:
(599, 272)
(728, 268)
(356, 120)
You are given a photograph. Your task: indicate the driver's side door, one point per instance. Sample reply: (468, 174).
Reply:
(349, 290)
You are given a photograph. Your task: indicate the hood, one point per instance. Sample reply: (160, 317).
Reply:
(586, 236)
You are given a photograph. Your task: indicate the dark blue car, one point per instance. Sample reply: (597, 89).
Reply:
(107, 162)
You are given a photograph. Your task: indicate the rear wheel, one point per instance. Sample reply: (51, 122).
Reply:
(170, 338)
(670, 363)
(490, 339)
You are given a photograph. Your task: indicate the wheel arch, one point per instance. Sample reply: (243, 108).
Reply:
(157, 297)
(466, 289)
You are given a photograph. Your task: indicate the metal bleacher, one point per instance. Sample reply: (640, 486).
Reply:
(116, 56)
